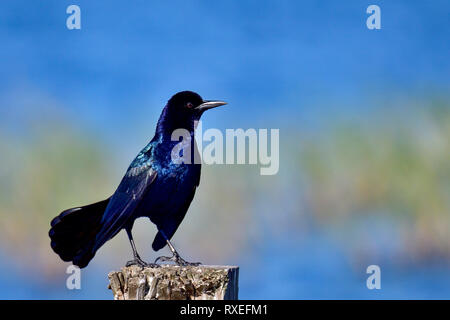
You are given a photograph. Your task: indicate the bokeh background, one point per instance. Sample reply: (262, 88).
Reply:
(364, 119)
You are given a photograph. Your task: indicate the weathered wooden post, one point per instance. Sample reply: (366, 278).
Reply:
(170, 282)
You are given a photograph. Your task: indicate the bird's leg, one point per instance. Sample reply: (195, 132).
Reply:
(137, 259)
(175, 256)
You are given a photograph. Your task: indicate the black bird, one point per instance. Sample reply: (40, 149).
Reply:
(154, 186)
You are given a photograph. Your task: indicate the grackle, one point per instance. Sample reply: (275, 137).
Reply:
(154, 186)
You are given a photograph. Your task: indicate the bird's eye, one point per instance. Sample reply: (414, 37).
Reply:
(189, 105)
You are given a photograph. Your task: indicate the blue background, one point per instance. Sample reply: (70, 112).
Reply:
(363, 118)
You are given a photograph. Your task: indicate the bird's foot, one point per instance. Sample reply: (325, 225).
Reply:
(138, 261)
(178, 261)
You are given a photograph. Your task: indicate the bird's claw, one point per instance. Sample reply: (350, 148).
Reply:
(141, 263)
(178, 261)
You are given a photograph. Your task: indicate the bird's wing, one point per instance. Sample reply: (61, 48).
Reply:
(135, 184)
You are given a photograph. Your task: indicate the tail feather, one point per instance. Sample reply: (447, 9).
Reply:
(159, 242)
(73, 231)
(168, 228)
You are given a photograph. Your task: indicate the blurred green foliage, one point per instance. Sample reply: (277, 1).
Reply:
(395, 164)
(44, 171)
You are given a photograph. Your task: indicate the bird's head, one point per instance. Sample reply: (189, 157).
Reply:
(184, 108)
(190, 104)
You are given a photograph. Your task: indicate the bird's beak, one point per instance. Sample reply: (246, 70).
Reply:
(209, 104)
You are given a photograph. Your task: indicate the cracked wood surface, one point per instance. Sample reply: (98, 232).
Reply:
(170, 282)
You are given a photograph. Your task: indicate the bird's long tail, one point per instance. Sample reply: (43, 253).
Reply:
(73, 232)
